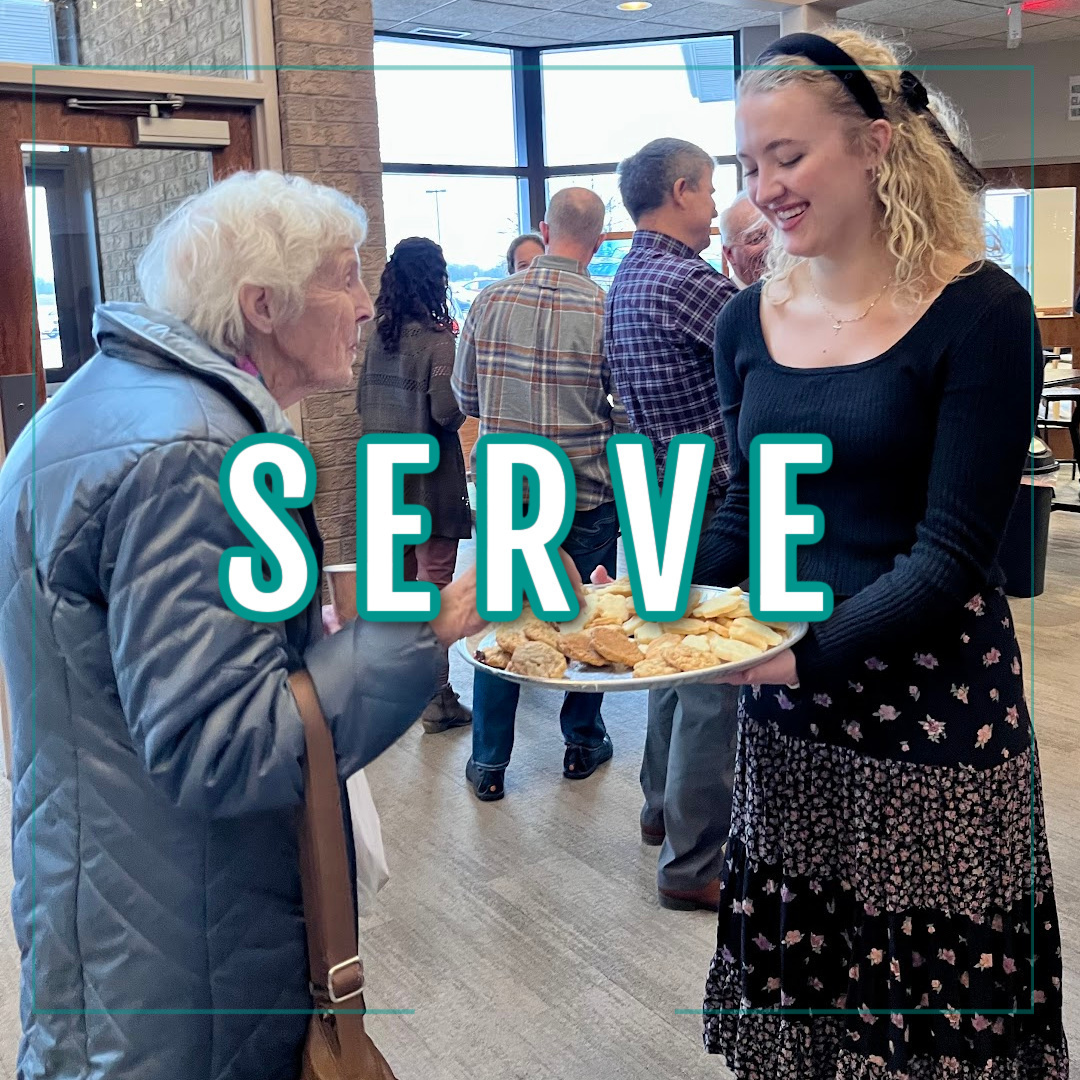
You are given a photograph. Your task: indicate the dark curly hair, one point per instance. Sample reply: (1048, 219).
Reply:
(414, 285)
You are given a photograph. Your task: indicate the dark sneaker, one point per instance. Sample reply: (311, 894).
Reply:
(444, 711)
(579, 761)
(487, 784)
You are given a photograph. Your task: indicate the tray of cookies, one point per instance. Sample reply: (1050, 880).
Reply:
(608, 647)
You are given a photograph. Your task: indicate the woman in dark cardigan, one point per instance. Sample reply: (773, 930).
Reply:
(405, 389)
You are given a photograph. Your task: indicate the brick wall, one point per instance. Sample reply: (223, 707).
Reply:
(174, 32)
(330, 134)
(135, 189)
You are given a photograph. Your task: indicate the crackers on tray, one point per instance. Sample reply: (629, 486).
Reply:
(608, 635)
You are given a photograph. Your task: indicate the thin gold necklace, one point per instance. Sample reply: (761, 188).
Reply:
(837, 323)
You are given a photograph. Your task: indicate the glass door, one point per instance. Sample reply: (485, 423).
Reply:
(79, 200)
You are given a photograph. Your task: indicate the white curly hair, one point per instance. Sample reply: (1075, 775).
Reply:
(253, 228)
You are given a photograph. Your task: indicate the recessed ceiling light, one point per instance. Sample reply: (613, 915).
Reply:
(634, 5)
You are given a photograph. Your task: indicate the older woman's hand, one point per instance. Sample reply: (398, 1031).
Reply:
(458, 616)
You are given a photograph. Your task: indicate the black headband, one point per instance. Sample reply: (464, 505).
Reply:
(827, 54)
(824, 53)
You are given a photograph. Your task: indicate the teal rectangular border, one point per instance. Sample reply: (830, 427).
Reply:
(180, 68)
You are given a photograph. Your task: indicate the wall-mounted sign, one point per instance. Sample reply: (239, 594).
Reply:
(1074, 97)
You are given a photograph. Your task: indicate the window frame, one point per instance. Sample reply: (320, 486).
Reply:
(532, 170)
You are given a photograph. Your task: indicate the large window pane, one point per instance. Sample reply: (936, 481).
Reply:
(681, 96)
(606, 185)
(474, 218)
(441, 117)
(1008, 214)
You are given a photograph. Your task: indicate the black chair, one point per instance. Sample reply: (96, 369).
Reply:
(1070, 394)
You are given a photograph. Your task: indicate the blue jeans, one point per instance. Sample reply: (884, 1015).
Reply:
(592, 541)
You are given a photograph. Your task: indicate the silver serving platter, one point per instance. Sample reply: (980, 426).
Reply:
(586, 679)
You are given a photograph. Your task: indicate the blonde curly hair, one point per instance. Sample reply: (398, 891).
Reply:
(928, 215)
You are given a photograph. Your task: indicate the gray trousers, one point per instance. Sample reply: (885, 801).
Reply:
(687, 774)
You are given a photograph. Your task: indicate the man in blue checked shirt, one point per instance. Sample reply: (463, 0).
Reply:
(659, 327)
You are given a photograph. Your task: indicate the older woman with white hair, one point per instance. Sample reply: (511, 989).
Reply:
(158, 747)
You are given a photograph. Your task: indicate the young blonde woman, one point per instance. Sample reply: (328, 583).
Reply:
(887, 907)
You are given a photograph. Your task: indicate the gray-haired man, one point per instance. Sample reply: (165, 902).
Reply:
(745, 236)
(660, 324)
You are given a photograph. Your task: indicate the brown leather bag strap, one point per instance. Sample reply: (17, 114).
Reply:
(337, 972)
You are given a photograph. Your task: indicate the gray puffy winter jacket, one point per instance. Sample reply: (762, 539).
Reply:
(157, 745)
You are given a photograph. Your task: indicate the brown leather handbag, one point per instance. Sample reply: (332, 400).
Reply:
(337, 1046)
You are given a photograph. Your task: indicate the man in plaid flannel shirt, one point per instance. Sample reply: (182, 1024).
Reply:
(530, 361)
(659, 329)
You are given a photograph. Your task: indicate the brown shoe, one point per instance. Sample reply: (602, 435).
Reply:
(704, 899)
(652, 837)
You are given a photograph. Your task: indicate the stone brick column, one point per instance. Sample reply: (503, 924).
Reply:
(330, 134)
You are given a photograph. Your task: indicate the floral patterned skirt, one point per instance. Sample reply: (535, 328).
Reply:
(887, 907)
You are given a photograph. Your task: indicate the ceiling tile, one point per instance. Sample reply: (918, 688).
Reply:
(874, 11)
(575, 28)
(713, 17)
(933, 16)
(653, 31)
(661, 10)
(1052, 30)
(996, 25)
(403, 10)
(476, 15)
(931, 39)
(964, 46)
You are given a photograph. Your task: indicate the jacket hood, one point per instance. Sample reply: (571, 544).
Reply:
(146, 336)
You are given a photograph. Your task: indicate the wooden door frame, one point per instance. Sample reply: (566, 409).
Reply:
(48, 120)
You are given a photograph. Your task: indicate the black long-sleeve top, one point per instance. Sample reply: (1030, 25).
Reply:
(929, 442)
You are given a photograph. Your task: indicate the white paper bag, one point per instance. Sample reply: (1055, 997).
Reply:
(372, 873)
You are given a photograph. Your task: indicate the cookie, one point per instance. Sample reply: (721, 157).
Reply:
(647, 669)
(493, 656)
(730, 650)
(620, 587)
(686, 626)
(696, 641)
(685, 659)
(539, 660)
(510, 637)
(754, 633)
(662, 642)
(542, 631)
(611, 642)
(611, 610)
(580, 647)
(581, 620)
(646, 632)
(716, 606)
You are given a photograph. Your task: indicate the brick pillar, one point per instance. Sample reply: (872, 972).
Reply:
(330, 134)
